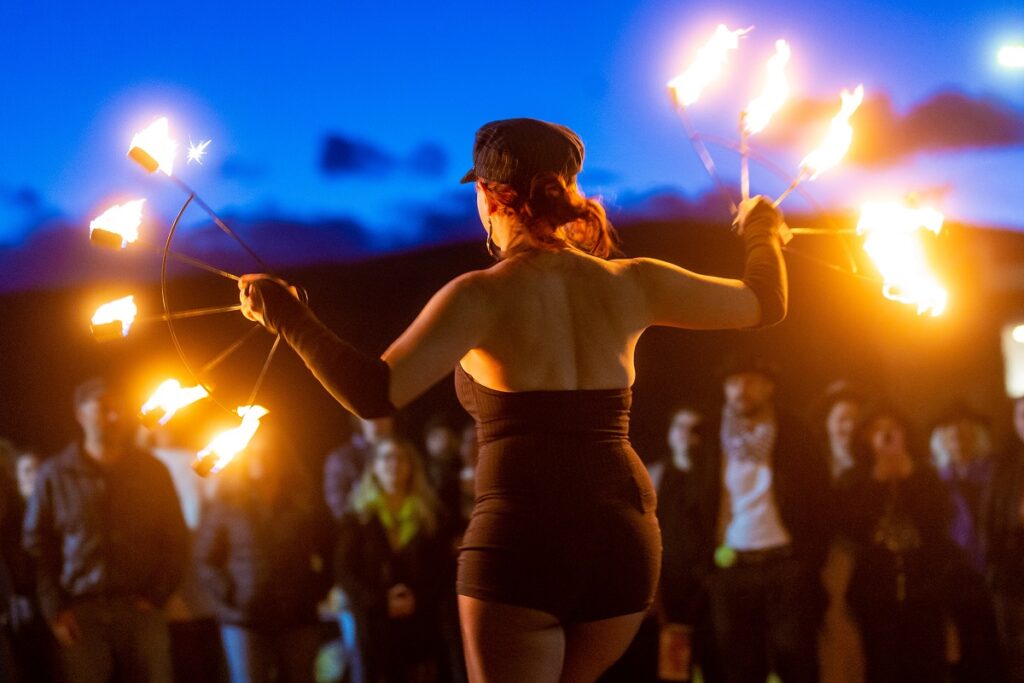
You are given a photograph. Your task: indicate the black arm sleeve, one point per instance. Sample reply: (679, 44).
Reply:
(358, 381)
(765, 268)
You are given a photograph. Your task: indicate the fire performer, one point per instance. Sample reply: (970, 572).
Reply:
(561, 557)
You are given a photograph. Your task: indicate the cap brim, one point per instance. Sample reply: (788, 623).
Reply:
(470, 176)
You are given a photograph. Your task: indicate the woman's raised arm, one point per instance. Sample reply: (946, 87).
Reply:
(451, 324)
(677, 297)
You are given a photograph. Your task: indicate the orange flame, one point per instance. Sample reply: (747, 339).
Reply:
(169, 398)
(118, 224)
(154, 148)
(837, 140)
(776, 89)
(121, 311)
(687, 86)
(226, 445)
(892, 241)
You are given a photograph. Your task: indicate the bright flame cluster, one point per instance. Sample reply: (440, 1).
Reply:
(837, 140)
(891, 231)
(687, 86)
(121, 311)
(120, 220)
(776, 89)
(1011, 56)
(154, 148)
(169, 398)
(226, 445)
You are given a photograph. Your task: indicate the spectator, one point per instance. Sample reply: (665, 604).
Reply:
(104, 528)
(444, 465)
(25, 631)
(961, 445)
(395, 566)
(839, 647)
(195, 643)
(344, 466)
(1003, 531)
(343, 470)
(683, 586)
(263, 550)
(763, 493)
(895, 510)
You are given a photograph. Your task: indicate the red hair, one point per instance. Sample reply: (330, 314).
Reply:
(556, 214)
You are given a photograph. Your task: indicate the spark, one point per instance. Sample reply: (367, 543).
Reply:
(196, 152)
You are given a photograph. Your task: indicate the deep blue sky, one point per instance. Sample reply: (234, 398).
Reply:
(267, 81)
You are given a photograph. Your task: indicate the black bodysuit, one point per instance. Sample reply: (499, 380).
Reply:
(564, 515)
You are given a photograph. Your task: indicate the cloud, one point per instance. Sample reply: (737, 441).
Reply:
(428, 160)
(946, 121)
(345, 156)
(340, 156)
(238, 168)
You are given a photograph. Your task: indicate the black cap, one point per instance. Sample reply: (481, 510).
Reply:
(513, 151)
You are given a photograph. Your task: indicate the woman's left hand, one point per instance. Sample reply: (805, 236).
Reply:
(251, 299)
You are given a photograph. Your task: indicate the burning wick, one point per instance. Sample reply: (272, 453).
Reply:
(118, 226)
(687, 86)
(153, 148)
(891, 240)
(759, 112)
(226, 445)
(196, 152)
(114, 319)
(169, 398)
(836, 144)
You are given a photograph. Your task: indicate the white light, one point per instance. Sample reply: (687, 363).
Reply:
(1011, 56)
(1013, 358)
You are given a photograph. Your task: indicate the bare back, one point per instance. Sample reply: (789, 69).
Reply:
(546, 320)
(563, 320)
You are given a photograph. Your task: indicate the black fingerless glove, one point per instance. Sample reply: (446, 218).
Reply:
(358, 381)
(765, 269)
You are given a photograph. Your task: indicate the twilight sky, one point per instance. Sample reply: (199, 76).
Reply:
(366, 110)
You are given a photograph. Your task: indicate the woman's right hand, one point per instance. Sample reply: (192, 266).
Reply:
(759, 214)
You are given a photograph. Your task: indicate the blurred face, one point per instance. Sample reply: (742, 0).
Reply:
(27, 469)
(440, 441)
(748, 393)
(377, 429)
(682, 431)
(392, 468)
(102, 419)
(481, 205)
(887, 438)
(959, 439)
(841, 422)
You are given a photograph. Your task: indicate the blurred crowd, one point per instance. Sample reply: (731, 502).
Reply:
(840, 546)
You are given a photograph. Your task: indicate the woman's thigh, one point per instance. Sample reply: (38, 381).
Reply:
(592, 647)
(509, 643)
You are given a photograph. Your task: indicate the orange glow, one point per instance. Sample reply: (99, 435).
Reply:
(837, 140)
(118, 226)
(891, 231)
(226, 445)
(169, 398)
(115, 318)
(687, 86)
(153, 148)
(776, 89)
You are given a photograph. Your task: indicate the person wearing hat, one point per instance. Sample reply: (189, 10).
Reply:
(106, 534)
(561, 557)
(763, 490)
